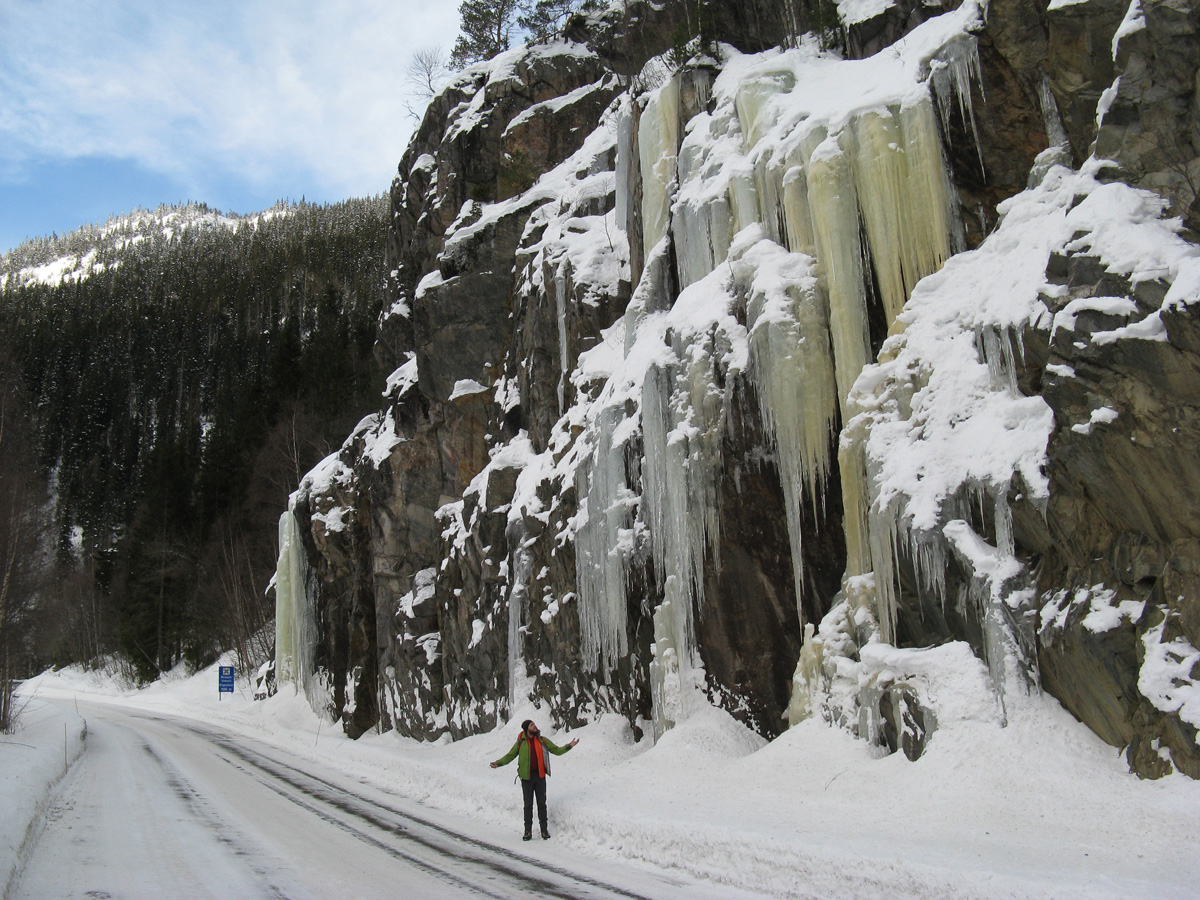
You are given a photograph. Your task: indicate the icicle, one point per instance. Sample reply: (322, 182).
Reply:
(792, 364)
(602, 547)
(1008, 641)
(658, 146)
(879, 168)
(1056, 132)
(931, 199)
(897, 180)
(951, 74)
(999, 350)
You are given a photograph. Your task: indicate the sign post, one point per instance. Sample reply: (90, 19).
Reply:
(224, 681)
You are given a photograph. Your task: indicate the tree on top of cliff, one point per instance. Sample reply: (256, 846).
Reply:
(424, 77)
(545, 19)
(486, 30)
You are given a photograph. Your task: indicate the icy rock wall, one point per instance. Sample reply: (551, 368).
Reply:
(613, 332)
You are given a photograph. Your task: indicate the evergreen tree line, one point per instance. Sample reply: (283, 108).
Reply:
(175, 397)
(488, 27)
(22, 498)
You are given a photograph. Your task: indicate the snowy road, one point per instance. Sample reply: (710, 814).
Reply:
(164, 807)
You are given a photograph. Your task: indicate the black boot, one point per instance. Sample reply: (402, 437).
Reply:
(528, 836)
(545, 834)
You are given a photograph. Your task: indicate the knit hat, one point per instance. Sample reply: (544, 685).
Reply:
(525, 724)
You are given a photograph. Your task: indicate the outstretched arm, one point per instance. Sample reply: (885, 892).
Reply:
(557, 750)
(507, 757)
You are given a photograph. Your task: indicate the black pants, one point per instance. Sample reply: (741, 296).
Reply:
(534, 787)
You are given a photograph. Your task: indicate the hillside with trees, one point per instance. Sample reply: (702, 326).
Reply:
(182, 370)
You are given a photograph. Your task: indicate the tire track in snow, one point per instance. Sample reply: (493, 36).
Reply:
(202, 812)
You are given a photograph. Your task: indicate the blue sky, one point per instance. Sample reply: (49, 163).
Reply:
(108, 105)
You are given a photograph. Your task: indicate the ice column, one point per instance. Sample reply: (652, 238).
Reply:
(752, 102)
(560, 302)
(658, 147)
(518, 605)
(904, 196)
(756, 116)
(833, 204)
(295, 619)
(797, 217)
(701, 239)
(769, 176)
(1056, 132)
(624, 163)
(682, 411)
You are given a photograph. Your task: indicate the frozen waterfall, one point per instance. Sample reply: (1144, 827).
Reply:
(295, 618)
(812, 212)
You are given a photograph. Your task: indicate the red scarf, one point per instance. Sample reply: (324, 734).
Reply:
(537, 759)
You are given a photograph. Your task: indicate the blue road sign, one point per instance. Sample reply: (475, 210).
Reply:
(225, 680)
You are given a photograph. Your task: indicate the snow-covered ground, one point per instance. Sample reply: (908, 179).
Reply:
(1040, 808)
(47, 742)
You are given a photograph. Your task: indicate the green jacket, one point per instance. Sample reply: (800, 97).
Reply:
(521, 749)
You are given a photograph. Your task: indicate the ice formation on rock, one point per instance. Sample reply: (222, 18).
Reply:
(295, 618)
(808, 213)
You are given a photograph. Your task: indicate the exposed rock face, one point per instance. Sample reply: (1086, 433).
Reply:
(1152, 126)
(1079, 64)
(1118, 571)
(598, 483)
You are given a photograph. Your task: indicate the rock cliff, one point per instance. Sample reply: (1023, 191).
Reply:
(807, 378)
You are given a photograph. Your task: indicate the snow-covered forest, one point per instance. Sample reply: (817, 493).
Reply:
(180, 370)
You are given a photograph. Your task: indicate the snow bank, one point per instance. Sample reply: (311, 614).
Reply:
(49, 738)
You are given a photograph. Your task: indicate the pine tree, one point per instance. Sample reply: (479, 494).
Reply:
(486, 29)
(544, 19)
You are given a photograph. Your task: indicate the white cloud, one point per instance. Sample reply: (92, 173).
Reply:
(307, 90)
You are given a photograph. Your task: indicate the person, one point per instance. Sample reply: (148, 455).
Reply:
(533, 766)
